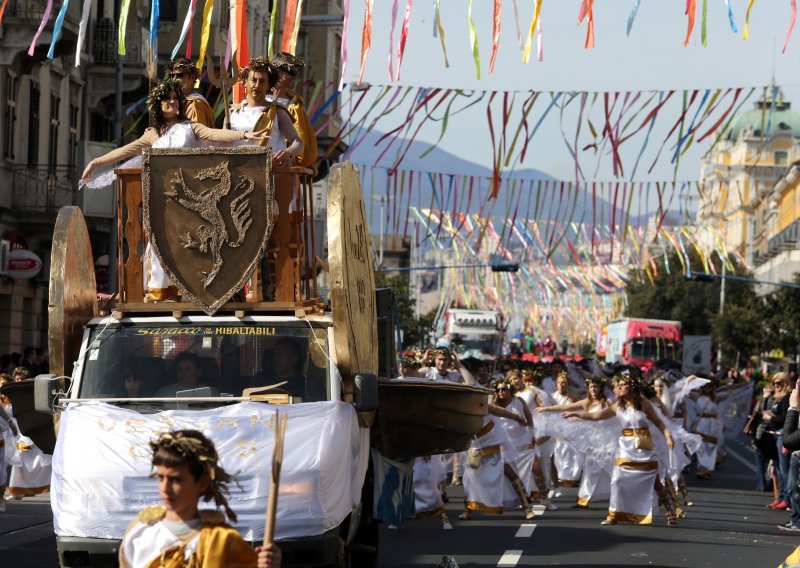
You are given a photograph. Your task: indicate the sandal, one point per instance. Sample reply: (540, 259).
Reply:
(608, 521)
(464, 516)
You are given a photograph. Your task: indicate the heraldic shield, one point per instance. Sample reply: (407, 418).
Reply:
(208, 213)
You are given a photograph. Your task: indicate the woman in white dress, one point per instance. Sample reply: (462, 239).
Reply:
(709, 428)
(636, 465)
(169, 128)
(595, 481)
(568, 460)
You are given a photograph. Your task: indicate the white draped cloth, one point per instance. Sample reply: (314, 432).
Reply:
(569, 462)
(428, 474)
(709, 428)
(596, 479)
(518, 450)
(635, 470)
(483, 486)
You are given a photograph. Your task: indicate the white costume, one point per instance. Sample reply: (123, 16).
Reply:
(568, 460)
(452, 376)
(428, 474)
(30, 474)
(596, 480)
(244, 118)
(707, 425)
(635, 470)
(518, 450)
(483, 485)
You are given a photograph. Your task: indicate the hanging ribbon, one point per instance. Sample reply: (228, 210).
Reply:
(57, 28)
(155, 16)
(42, 24)
(734, 29)
(438, 27)
(704, 25)
(392, 26)
(791, 25)
(296, 29)
(122, 26)
(539, 41)
(289, 19)
(746, 32)
(366, 38)
(473, 40)
(3, 10)
(691, 12)
(632, 17)
(346, 9)
(85, 13)
(537, 7)
(187, 24)
(401, 48)
(273, 17)
(498, 6)
(205, 31)
(587, 12)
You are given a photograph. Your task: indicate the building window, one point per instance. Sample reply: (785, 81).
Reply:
(33, 126)
(781, 158)
(168, 10)
(72, 145)
(52, 144)
(10, 116)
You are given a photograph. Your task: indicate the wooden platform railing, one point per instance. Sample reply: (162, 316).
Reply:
(290, 257)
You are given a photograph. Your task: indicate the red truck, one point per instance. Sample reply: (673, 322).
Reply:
(642, 341)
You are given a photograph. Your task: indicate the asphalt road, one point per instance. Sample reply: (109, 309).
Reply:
(728, 526)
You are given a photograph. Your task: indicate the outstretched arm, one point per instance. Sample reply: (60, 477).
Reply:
(561, 407)
(604, 414)
(656, 419)
(128, 151)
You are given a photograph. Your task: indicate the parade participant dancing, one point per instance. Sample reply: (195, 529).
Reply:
(176, 533)
(257, 112)
(709, 428)
(197, 108)
(567, 459)
(169, 128)
(595, 481)
(490, 459)
(636, 465)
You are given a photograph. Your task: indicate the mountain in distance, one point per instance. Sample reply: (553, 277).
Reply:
(552, 203)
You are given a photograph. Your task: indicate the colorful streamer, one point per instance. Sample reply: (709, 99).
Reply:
(82, 27)
(392, 26)
(437, 26)
(366, 38)
(746, 32)
(587, 12)
(42, 24)
(632, 17)
(473, 40)
(346, 10)
(57, 28)
(401, 48)
(273, 17)
(122, 27)
(498, 7)
(691, 13)
(205, 31)
(289, 19)
(537, 7)
(791, 25)
(3, 9)
(187, 24)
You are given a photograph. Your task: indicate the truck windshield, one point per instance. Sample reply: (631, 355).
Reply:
(652, 349)
(484, 343)
(205, 359)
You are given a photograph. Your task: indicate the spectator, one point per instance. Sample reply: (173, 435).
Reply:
(30, 361)
(20, 374)
(776, 418)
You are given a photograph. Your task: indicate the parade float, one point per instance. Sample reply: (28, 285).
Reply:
(235, 237)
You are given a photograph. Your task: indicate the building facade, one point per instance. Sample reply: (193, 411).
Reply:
(57, 116)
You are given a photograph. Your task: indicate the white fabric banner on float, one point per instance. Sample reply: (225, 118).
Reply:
(101, 465)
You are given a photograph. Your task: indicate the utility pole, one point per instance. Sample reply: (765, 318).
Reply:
(721, 309)
(112, 245)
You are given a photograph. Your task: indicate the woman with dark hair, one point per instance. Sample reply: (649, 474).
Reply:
(636, 465)
(169, 128)
(187, 370)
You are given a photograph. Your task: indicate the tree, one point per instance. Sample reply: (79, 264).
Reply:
(415, 330)
(696, 305)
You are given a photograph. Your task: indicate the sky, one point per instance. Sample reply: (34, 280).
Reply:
(652, 58)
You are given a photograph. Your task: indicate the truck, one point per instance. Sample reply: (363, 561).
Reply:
(474, 333)
(643, 342)
(225, 356)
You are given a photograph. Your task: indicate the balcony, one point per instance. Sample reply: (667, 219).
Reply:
(104, 45)
(44, 189)
(31, 12)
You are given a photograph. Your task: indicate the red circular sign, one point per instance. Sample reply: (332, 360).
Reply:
(23, 264)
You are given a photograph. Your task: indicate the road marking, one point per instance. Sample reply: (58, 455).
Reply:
(738, 456)
(510, 558)
(538, 510)
(525, 531)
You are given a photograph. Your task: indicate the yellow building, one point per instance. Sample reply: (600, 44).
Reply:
(741, 171)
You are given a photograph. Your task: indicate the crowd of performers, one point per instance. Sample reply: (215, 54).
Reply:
(616, 433)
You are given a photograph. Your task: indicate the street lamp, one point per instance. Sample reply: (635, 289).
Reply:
(703, 277)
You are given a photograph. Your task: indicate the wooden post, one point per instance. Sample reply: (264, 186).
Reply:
(274, 483)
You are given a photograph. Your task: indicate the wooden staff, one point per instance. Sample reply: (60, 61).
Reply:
(277, 460)
(222, 81)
